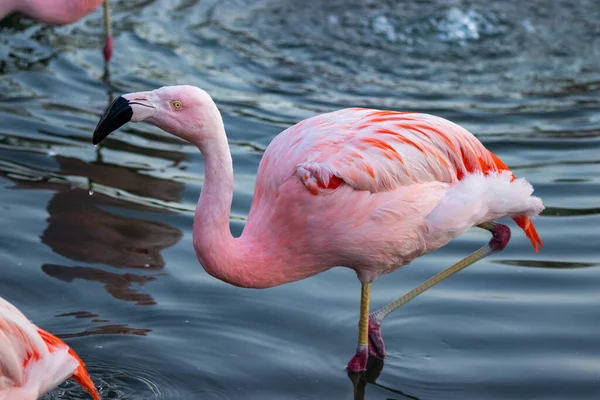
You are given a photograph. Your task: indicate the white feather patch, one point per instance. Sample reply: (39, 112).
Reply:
(479, 198)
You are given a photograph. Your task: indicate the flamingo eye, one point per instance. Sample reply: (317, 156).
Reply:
(176, 104)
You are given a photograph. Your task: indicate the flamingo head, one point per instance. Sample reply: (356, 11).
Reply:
(184, 111)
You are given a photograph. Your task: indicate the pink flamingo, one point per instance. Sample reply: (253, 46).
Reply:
(367, 189)
(33, 361)
(61, 12)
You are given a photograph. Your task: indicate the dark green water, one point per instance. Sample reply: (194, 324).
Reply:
(96, 245)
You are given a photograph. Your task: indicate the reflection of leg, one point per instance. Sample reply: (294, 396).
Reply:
(500, 237)
(360, 381)
(359, 361)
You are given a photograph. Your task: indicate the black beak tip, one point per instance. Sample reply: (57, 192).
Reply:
(117, 115)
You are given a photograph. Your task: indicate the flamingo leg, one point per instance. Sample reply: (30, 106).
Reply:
(359, 361)
(500, 238)
(109, 41)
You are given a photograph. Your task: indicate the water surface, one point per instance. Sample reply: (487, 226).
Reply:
(95, 244)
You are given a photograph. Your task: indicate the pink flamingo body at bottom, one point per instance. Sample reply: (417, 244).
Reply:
(367, 189)
(33, 361)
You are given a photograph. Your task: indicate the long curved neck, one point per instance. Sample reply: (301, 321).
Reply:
(214, 206)
(213, 242)
(255, 259)
(235, 261)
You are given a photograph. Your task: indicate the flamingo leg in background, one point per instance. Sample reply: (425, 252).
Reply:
(109, 44)
(500, 238)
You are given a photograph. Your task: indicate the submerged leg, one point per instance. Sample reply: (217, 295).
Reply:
(359, 361)
(500, 237)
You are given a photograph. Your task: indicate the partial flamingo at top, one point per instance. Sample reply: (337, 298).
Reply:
(61, 12)
(33, 361)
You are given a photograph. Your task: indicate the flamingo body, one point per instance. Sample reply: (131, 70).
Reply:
(362, 188)
(372, 190)
(33, 361)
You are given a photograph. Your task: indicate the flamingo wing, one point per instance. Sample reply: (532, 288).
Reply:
(379, 151)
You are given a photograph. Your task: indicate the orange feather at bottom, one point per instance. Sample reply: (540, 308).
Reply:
(81, 376)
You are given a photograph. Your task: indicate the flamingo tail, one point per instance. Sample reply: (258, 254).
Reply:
(523, 221)
(527, 226)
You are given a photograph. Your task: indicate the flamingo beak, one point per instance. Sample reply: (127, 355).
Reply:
(118, 114)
